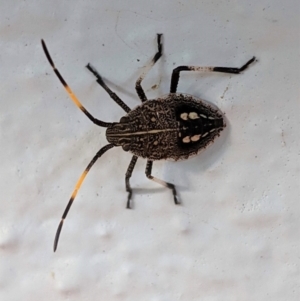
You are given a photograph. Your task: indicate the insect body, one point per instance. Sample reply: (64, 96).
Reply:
(175, 126)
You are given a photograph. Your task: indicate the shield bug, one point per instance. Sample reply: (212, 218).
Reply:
(175, 126)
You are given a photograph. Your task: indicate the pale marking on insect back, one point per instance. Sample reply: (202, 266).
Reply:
(205, 134)
(184, 116)
(142, 133)
(193, 115)
(212, 130)
(186, 139)
(195, 138)
(203, 116)
(211, 118)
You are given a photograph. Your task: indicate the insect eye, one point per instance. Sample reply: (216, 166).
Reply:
(126, 147)
(124, 119)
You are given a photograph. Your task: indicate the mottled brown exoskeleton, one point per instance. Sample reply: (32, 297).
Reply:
(175, 126)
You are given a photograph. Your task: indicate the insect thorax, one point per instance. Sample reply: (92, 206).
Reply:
(175, 126)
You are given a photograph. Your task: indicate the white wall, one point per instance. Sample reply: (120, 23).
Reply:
(236, 234)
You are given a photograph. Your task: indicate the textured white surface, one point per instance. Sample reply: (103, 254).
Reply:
(236, 234)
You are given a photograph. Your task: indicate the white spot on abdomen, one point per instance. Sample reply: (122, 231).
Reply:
(184, 116)
(193, 115)
(195, 137)
(186, 139)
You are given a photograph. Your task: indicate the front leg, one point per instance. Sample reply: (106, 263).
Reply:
(161, 182)
(138, 86)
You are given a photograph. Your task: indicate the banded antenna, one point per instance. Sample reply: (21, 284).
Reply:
(96, 157)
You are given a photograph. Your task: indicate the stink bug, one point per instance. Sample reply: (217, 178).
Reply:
(175, 126)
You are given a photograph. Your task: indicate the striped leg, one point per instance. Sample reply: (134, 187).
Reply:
(161, 182)
(147, 68)
(176, 72)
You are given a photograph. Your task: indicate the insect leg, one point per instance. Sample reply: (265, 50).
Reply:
(70, 92)
(127, 177)
(161, 182)
(113, 95)
(176, 71)
(77, 187)
(147, 68)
